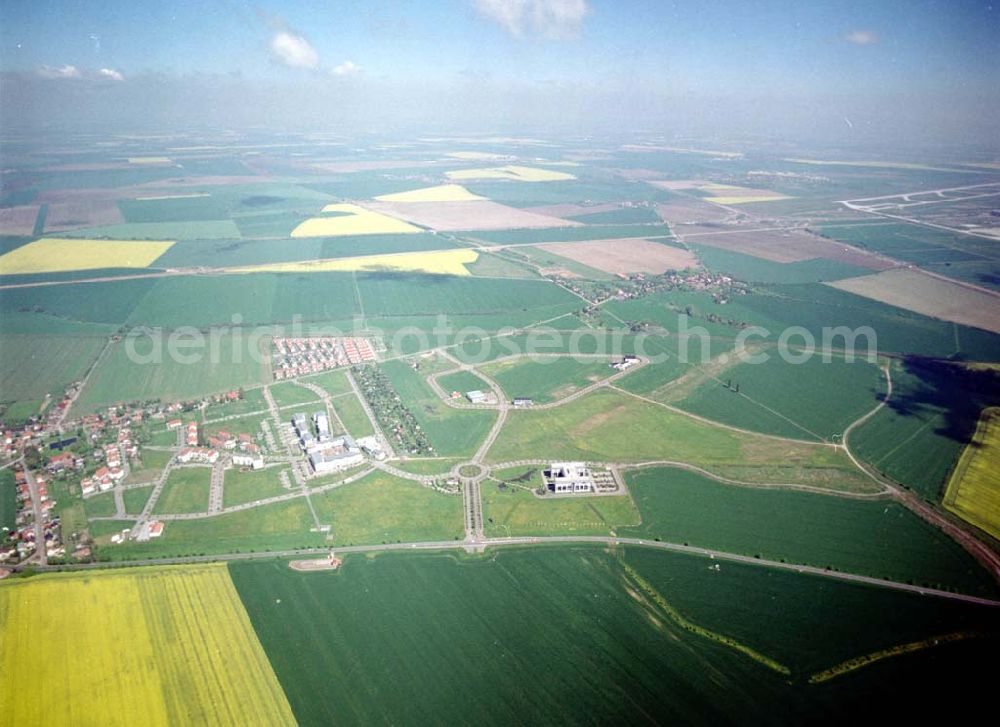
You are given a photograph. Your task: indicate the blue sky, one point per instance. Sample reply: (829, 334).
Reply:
(596, 59)
(716, 46)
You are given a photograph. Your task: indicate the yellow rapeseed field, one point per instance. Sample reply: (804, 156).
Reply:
(520, 174)
(440, 193)
(974, 491)
(440, 262)
(167, 645)
(52, 255)
(355, 221)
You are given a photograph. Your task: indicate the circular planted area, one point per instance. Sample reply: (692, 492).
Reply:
(470, 470)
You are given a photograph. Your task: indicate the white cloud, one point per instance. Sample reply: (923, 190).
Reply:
(294, 50)
(347, 68)
(549, 18)
(862, 37)
(111, 74)
(61, 72)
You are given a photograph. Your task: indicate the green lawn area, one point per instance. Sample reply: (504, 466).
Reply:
(333, 382)
(284, 525)
(462, 382)
(186, 490)
(122, 378)
(8, 502)
(241, 487)
(253, 400)
(450, 431)
(153, 461)
(381, 508)
(875, 538)
(514, 510)
(287, 393)
(426, 466)
(608, 426)
(100, 505)
(136, 499)
(548, 378)
(353, 415)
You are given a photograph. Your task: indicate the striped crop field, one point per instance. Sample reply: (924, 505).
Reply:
(157, 646)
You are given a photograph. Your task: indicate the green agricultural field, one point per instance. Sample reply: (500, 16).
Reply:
(241, 487)
(132, 370)
(32, 367)
(19, 412)
(380, 508)
(913, 243)
(526, 615)
(174, 209)
(461, 381)
(809, 400)
(758, 270)
(71, 307)
(918, 437)
(136, 499)
(808, 623)
(512, 509)
(287, 393)
(608, 426)
(186, 490)
(856, 536)
(489, 265)
(175, 230)
(547, 378)
(281, 526)
(386, 294)
(250, 299)
(451, 432)
(621, 216)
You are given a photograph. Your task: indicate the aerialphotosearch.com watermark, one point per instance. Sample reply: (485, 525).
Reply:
(685, 343)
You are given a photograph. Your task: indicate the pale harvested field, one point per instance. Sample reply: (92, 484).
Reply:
(749, 198)
(149, 160)
(357, 221)
(18, 220)
(624, 256)
(439, 262)
(516, 173)
(71, 215)
(785, 247)
(474, 215)
(371, 166)
(479, 156)
(440, 193)
(52, 255)
(923, 293)
(569, 210)
(676, 184)
(690, 209)
(95, 167)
